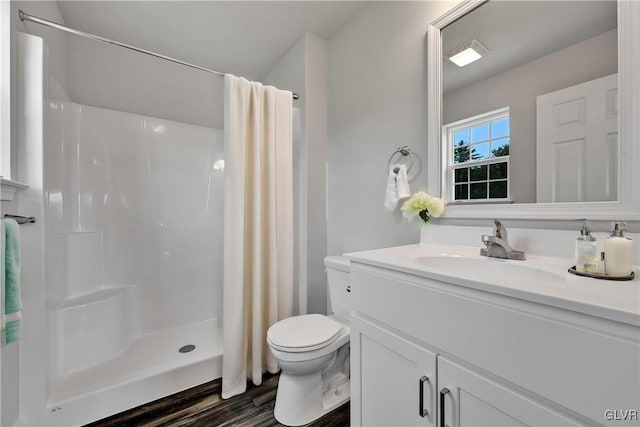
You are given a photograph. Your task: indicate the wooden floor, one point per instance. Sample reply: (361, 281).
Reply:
(202, 406)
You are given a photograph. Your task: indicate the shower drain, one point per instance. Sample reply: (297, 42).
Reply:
(187, 348)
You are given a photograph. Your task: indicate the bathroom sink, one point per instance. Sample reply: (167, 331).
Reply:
(492, 269)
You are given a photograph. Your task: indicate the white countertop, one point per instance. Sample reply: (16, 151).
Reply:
(613, 300)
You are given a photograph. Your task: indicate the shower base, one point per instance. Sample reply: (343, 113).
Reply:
(151, 367)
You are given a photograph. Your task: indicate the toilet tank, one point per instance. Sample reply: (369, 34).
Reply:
(338, 279)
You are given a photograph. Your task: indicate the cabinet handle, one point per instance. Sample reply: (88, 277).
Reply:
(423, 412)
(443, 393)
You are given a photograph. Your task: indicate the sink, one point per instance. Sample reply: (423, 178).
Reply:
(495, 269)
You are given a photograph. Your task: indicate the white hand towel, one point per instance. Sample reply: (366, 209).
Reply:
(391, 195)
(402, 182)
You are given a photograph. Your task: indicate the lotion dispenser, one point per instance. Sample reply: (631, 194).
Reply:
(617, 252)
(586, 251)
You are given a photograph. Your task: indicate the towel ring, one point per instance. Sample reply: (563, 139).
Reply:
(404, 151)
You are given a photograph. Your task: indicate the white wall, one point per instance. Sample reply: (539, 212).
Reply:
(5, 87)
(377, 102)
(289, 73)
(10, 396)
(111, 77)
(316, 134)
(566, 67)
(303, 70)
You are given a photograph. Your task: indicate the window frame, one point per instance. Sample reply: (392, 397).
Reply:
(448, 181)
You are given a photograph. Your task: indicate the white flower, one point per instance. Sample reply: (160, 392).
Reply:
(424, 205)
(416, 203)
(435, 206)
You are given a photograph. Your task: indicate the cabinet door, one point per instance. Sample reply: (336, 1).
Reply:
(466, 398)
(393, 380)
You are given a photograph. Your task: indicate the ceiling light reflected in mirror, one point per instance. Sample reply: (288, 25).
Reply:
(467, 53)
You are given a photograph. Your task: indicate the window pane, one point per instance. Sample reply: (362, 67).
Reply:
(498, 171)
(500, 148)
(478, 173)
(479, 190)
(461, 137)
(498, 190)
(500, 128)
(480, 151)
(462, 175)
(461, 154)
(480, 133)
(462, 192)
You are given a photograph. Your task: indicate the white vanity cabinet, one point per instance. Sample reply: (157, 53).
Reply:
(490, 359)
(396, 384)
(467, 398)
(400, 383)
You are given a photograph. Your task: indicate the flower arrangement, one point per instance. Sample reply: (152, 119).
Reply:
(424, 206)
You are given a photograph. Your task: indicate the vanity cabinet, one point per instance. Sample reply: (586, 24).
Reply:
(400, 383)
(467, 398)
(489, 359)
(397, 379)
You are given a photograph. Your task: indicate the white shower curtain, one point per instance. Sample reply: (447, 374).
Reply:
(258, 227)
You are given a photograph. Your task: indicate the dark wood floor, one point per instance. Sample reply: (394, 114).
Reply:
(202, 406)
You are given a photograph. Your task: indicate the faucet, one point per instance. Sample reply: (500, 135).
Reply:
(498, 245)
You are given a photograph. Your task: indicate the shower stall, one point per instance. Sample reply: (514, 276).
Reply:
(133, 259)
(123, 269)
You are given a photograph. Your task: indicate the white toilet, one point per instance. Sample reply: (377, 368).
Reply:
(313, 353)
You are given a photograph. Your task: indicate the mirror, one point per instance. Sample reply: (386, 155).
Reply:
(530, 117)
(556, 91)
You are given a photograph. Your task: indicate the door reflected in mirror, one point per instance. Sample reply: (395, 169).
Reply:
(530, 103)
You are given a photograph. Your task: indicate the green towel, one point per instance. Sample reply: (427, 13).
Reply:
(12, 300)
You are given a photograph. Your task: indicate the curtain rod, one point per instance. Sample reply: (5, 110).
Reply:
(26, 17)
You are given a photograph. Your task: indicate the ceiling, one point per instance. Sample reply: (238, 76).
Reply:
(245, 38)
(516, 32)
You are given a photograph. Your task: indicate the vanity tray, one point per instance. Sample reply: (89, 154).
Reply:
(573, 270)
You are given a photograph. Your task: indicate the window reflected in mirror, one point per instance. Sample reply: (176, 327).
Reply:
(479, 149)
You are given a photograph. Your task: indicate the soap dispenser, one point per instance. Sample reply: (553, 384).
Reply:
(586, 251)
(617, 252)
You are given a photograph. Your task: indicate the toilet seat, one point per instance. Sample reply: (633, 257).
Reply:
(304, 333)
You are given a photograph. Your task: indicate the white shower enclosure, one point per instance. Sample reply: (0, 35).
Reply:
(133, 259)
(122, 271)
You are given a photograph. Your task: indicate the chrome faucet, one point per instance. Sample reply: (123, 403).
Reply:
(498, 245)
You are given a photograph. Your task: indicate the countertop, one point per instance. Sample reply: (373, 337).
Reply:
(614, 300)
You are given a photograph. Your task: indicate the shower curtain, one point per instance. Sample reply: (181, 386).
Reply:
(258, 231)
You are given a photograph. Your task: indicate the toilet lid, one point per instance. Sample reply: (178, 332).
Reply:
(303, 333)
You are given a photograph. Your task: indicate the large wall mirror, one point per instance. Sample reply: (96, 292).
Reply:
(536, 109)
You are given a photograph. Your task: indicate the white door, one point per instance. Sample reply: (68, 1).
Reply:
(393, 381)
(577, 143)
(466, 399)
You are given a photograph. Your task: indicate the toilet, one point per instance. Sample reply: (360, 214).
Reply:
(313, 353)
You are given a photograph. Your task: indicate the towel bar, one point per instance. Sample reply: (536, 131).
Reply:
(22, 219)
